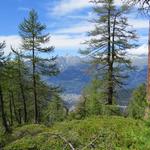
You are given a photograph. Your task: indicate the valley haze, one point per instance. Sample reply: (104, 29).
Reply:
(77, 69)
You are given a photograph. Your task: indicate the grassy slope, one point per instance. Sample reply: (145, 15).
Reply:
(107, 133)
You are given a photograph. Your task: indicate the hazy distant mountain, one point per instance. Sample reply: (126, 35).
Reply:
(74, 77)
(65, 62)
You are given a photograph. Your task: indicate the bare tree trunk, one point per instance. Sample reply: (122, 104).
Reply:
(22, 93)
(24, 103)
(67, 110)
(36, 118)
(147, 110)
(14, 107)
(110, 88)
(4, 120)
(19, 118)
(110, 85)
(10, 109)
(111, 69)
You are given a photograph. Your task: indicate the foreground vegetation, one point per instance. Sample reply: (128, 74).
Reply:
(26, 99)
(97, 132)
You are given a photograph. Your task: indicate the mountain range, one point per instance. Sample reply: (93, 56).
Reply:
(74, 77)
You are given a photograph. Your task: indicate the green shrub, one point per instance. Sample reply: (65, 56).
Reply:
(108, 133)
(137, 104)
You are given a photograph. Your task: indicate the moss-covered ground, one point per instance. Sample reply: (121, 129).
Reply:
(94, 133)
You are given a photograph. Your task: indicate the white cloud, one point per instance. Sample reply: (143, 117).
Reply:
(80, 28)
(141, 50)
(59, 41)
(12, 40)
(67, 6)
(139, 23)
(67, 42)
(84, 27)
(139, 56)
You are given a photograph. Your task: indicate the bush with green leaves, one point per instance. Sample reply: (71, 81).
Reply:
(137, 104)
(55, 111)
(93, 102)
(96, 132)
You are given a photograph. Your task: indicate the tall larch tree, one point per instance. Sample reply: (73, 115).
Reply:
(21, 70)
(3, 60)
(108, 45)
(33, 37)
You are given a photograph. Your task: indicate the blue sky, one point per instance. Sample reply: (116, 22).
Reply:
(66, 20)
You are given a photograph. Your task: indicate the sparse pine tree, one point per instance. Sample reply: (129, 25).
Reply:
(21, 72)
(108, 45)
(33, 40)
(3, 60)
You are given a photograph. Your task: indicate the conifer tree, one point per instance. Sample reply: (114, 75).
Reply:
(144, 5)
(55, 110)
(10, 88)
(107, 47)
(2, 108)
(137, 104)
(21, 71)
(33, 39)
